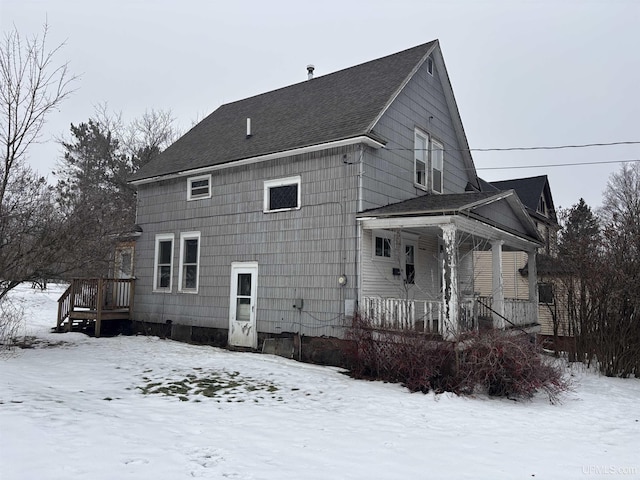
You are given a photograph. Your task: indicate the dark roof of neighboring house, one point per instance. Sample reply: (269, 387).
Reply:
(528, 189)
(548, 266)
(333, 107)
(451, 202)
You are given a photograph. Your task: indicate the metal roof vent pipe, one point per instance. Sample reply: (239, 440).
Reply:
(248, 127)
(310, 69)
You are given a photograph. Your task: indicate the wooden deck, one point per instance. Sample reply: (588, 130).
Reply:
(94, 300)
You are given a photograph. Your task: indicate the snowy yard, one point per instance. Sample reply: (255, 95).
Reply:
(74, 407)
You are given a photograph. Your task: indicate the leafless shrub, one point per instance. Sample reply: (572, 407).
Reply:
(497, 363)
(11, 319)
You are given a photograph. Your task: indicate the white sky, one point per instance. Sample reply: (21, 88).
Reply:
(526, 73)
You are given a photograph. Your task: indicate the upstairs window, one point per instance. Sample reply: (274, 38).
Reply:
(163, 267)
(189, 261)
(199, 187)
(437, 165)
(428, 164)
(282, 194)
(421, 158)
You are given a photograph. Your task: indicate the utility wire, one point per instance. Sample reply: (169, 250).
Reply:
(522, 149)
(556, 147)
(559, 164)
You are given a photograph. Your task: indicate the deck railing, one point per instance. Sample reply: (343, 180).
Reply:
(94, 297)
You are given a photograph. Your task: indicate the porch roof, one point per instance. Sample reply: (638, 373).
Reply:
(462, 210)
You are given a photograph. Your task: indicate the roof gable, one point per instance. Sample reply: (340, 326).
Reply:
(333, 107)
(530, 190)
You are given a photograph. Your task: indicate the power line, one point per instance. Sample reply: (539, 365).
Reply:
(559, 164)
(522, 149)
(556, 147)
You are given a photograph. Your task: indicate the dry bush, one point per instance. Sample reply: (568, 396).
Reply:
(11, 316)
(509, 364)
(497, 363)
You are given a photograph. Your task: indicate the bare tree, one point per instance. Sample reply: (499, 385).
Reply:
(618, 323)
(32, 85)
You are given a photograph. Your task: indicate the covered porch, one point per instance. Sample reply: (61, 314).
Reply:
(419, 271)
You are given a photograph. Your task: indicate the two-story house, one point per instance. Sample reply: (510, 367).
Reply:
(284, 213)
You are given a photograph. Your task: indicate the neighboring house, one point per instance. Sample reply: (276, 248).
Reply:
(282, 214)
(535, 194)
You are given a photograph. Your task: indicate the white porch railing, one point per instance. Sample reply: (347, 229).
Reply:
(519, 312)
(429, 316)
(422, 316)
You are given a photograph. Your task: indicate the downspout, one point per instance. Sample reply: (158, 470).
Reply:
(358, 237)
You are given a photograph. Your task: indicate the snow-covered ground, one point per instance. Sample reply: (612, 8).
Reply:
(74, 407)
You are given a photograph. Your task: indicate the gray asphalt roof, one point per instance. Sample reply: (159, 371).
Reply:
(328, 108)
(430, 203)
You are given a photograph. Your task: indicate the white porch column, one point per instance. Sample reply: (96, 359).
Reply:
(450, 282)
(533, 285)
(497, 287)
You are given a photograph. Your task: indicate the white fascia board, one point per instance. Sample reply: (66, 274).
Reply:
(404, 222)
(370, 142)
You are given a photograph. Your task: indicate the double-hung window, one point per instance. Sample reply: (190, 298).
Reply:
(199, 187)
(189, 262)
(421, 152)
(437, 165)
(428, 164)
(163, 265)
(282, 194)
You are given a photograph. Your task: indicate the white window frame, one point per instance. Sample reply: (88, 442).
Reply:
(418, 134)
(282, 182)
(163, 237)
(386, 236)
(184, 236)
(191, 180)
(433, 146)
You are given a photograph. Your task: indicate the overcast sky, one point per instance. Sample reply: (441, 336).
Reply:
(525, 73)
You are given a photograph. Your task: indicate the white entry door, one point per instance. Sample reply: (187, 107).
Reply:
(242, 305)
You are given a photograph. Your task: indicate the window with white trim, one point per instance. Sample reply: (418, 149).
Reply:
(383, 247)
(420, 160)
(430, 65)
(437, 165)
(163, 265)
(282, 194)
(428, 163)
(189, 262)
(199, 187)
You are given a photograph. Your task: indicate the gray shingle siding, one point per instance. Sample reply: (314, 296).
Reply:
(388, 172)
(300, 253)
